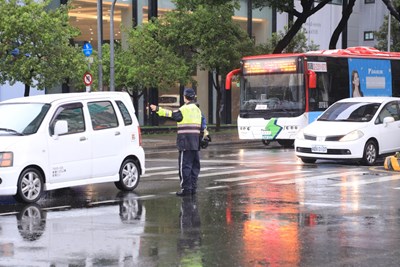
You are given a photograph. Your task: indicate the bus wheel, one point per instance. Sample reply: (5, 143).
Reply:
(266, 142)
(370, 153)
(308, 160)
(286, 142)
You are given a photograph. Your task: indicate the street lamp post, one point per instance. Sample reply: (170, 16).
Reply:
(112, 86)
(100, 40)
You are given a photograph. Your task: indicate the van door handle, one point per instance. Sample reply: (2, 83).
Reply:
(83, 138)
(117, 133)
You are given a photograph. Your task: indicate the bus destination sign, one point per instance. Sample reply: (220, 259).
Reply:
(270, 65)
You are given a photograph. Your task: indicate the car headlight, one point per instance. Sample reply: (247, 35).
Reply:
(6, 159)
(354, 135)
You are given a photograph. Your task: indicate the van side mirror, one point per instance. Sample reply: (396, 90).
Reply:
(61, 127)
(312, 79)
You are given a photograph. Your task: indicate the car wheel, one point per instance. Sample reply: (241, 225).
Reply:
(266, 142)
(286, 142)
(30, 186)
(370, 153)
(308, 160)
(128, 176)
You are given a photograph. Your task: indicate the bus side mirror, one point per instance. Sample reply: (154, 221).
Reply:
(312, 79)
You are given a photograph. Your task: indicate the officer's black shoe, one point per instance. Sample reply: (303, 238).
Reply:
(184, 192)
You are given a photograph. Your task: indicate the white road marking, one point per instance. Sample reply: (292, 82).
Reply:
(317, 177)
(369, 181)
(176, 171)
(218, 173)
(257, 176)
(216, 187)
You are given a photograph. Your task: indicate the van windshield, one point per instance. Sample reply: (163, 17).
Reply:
(21, 118)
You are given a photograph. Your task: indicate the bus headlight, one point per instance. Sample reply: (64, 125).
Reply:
(354, 135)
(6, 159)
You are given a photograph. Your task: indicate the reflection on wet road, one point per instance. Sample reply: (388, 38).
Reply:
(255, 207)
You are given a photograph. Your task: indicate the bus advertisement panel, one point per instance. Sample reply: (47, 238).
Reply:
(282, 93)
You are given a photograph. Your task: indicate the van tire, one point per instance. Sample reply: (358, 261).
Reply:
(30, 186)
(129, 176)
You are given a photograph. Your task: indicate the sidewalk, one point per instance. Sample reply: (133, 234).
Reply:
(168, 139)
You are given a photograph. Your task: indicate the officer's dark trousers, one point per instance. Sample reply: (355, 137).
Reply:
(189, 169)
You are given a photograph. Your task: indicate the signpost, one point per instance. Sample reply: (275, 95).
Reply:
(87, 77)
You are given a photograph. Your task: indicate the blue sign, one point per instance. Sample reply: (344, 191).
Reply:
(87, 49)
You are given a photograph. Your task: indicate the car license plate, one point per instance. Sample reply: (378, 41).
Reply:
(319, 149)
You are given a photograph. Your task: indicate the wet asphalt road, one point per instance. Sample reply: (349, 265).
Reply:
(256, 206)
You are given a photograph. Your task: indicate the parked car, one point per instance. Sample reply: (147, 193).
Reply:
(361, 128)
(63, 140)
(169, 101)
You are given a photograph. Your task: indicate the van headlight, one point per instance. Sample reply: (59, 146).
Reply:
(6, 159)
(354, 135)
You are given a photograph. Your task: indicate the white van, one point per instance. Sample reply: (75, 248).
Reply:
(63, 140)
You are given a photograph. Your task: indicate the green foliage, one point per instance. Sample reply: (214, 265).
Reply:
(382, 35)
(206, 35)
(40, 40)
(297, 45)
(147, 63)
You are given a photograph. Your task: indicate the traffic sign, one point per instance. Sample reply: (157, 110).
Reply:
(87, 49)
(87, 79)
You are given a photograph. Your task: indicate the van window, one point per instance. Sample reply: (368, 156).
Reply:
(102, 115)
(125, 113)
(73, 114)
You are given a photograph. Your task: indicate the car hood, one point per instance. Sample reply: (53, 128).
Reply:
(327, 128)
(8, 141)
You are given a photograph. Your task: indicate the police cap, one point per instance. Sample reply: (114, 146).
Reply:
(189, 93)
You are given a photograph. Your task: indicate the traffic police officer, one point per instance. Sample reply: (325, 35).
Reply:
(188, 118)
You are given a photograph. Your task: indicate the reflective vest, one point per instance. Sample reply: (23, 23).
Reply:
(188, 128)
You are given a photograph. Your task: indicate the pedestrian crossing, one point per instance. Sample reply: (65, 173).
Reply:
(241, 173)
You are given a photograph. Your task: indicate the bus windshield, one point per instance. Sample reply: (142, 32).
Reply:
(272, 95)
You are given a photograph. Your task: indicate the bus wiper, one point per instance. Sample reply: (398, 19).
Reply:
(11, 131)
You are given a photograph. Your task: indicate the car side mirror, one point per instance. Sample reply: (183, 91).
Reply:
(387, 120)
(61, 127)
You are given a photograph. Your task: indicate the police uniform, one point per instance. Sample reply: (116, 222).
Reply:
(189, 124)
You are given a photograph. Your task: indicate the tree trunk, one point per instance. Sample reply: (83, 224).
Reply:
(218, 111)
(392, 9)
(342, 23)
(282, 44)
(27, 90)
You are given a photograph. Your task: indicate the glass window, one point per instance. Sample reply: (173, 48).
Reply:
(390, 110)
(102, 115)
(73, 114)
(350, 111)
(369, 36)
(125, 113)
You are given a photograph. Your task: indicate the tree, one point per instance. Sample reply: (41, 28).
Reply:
(308, 9)
(146, 63)
(297, 45)
(204, 34)
(382, 36)
(35, 46)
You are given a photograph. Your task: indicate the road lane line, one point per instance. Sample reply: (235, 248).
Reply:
(218, 173)
(176, 172)
(369, 181)
(258, 176)
(316, 177)
(216, 187)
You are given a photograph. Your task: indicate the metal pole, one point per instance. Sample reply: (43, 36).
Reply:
(99, 41)
(389, 26)
(112, 87)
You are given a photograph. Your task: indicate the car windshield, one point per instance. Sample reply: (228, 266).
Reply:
(350, 111)
(21, 119)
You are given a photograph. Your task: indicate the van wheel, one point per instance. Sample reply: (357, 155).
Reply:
(128, 176)
(30, 186)
(370, 153)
